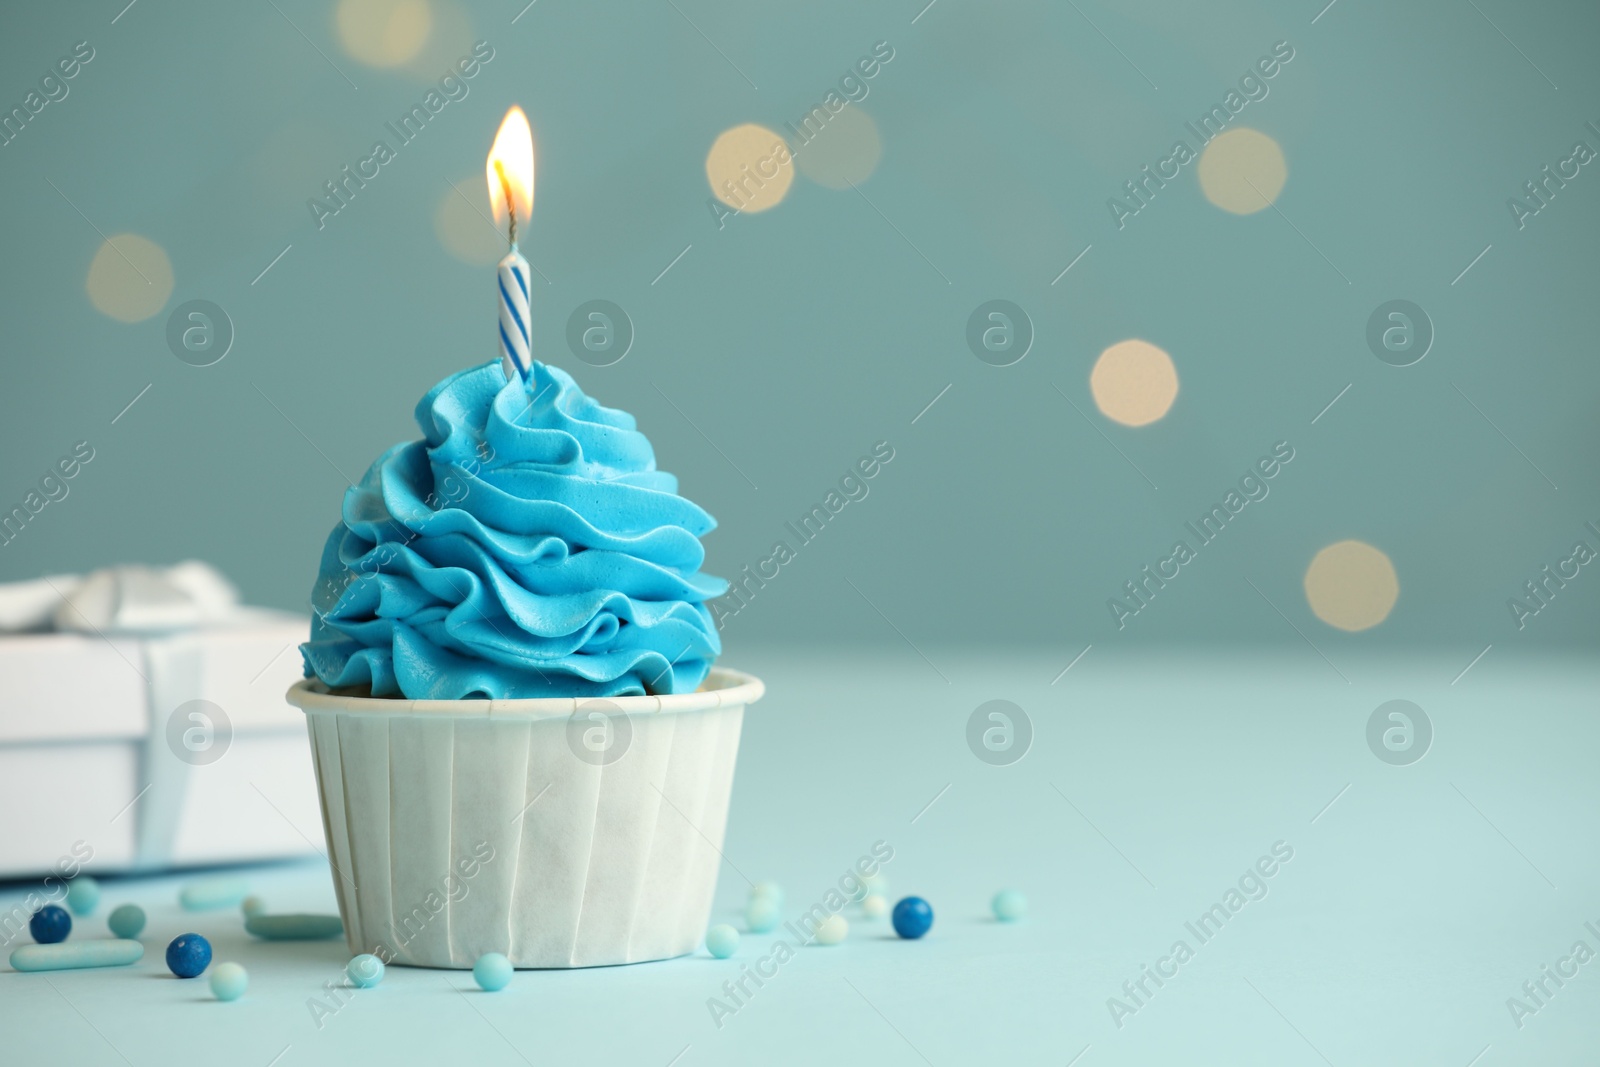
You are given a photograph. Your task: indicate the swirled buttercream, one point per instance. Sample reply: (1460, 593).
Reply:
(527, 546)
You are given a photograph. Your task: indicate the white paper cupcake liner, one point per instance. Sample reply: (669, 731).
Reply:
(459, 827)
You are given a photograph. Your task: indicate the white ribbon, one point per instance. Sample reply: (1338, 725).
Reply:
(126, 599)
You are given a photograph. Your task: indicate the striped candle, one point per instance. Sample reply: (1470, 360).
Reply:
(516, 324)
(510, 173)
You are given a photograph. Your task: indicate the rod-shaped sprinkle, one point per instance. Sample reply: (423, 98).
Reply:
(212, 893)
(293, 927)
(70, 955)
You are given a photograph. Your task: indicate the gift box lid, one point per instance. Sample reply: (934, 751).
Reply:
(71, 686)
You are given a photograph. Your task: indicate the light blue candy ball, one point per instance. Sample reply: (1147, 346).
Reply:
(762, 915)
(126, 920)
(771, 890)
(83, 895)
(722, 941)
(492, 971)
(1009, 905)
(365, 970)
(229, 981)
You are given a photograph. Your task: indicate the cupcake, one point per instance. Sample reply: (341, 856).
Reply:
(520, 740)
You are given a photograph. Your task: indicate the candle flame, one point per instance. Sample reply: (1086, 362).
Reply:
(510, 169)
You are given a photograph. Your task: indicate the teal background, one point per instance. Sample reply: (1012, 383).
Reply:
(796, 338)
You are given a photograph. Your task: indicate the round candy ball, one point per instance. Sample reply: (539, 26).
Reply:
(252, 905)
(188, 955)
(229, 981)
(126, 920)
(912, 917)
(492, 971)
(50, 924)
(874, 907)
(365, 970)
(1009, 905)
(762, 915)
(833, 930)
(771, 890)
(722, 941)
(83, 894)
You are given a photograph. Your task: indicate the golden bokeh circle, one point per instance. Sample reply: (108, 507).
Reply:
(1242, 171)
(383, 33)
(450, 38)
(462, 224)
(844, 152)
(1134, 383)
(1351, 586)
(750, 168)
(130, 278)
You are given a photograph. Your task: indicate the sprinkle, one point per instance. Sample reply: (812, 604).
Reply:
(912, 918)
(83, 895)
(492, 972)
(50, 924)
(127, 920)
(188, 955)
(1009, 905)
(762, 915)
(365, 970)
(212, 893)
(293, 927)
(229, 981)
(722, 941)
(70, 955)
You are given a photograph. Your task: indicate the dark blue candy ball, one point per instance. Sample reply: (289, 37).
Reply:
(912, 917)
(50, 924)
(188, 955)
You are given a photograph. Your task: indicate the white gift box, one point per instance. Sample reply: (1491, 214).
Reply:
(102, 745)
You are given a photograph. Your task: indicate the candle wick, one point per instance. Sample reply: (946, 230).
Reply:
(511, 204)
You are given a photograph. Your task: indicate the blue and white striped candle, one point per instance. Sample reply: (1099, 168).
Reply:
(510, 173)
(516, 324)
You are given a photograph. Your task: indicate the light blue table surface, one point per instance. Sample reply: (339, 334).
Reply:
(1418, 900)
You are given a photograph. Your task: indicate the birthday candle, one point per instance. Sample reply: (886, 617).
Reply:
(510, 173)
(515, 323)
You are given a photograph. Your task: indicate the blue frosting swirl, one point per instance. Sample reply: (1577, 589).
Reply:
(526, 547)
